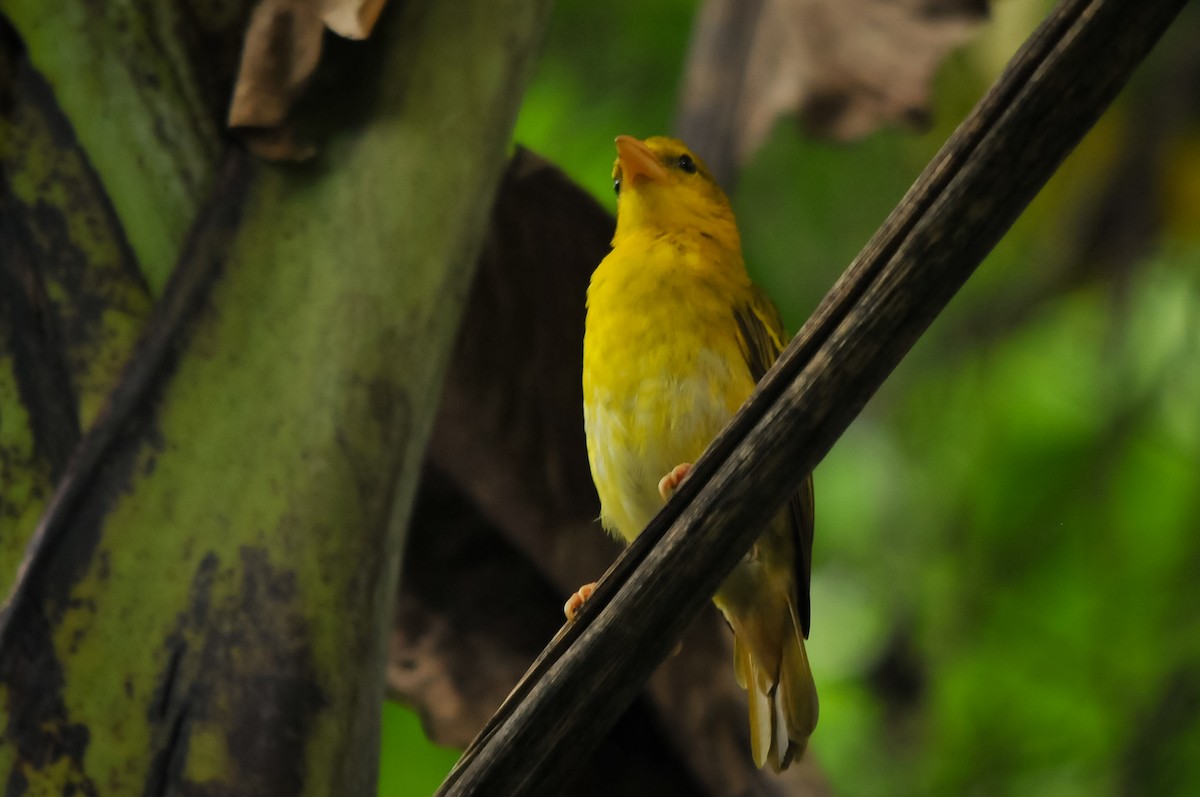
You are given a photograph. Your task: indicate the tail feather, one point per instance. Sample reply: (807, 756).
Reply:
(781, 753)
(743, 665)
(796, 681)
(771, 663)
(763, 720)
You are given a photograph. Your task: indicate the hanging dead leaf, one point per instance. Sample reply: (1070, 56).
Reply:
(845, 66)
(351, 19)
(280, 54)
(471, 614)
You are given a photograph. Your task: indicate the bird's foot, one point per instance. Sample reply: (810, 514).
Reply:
(576, 601)
(668, 484)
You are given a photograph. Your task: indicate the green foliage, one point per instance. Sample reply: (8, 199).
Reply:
(606, 69)
(410, 764)
(1052, 592)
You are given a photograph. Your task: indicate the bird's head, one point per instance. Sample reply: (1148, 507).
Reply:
(662, 186)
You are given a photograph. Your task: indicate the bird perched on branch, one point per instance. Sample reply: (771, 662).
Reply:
(677, 336)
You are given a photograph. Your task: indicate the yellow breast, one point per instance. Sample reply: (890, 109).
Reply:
(663, 369)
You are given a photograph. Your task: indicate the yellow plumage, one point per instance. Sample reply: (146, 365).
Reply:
(676, 337)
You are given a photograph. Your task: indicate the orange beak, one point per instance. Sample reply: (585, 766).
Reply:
(638, 161)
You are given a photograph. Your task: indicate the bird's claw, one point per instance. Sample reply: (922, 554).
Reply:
(576, 601)
(668, 484)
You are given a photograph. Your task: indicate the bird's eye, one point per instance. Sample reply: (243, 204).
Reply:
(617, 186)
(686, 163)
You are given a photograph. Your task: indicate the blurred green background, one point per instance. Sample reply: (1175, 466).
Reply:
(1006, 592)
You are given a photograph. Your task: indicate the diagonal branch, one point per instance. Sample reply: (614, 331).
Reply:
(1049, 96)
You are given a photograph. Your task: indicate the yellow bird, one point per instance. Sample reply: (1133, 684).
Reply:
(676, 338)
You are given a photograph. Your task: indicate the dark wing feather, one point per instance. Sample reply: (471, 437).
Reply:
(763, 338)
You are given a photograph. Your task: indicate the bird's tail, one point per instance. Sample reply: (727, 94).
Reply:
(772, 666)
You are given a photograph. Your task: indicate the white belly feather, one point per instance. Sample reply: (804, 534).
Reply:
(634, 440)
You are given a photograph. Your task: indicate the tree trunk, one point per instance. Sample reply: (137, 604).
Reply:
(205, 601)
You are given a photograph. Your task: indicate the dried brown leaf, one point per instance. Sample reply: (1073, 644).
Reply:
(283, 45)
(280, 54)
(472, 614)
(352, 19)
(510, 425)
(846, 67)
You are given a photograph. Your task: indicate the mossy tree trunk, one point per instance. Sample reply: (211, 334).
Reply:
(217, 377)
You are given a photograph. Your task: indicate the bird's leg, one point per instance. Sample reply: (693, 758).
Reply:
(668, 484)
(576, 601)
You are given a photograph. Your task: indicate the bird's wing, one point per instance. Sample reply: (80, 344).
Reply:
(763, 338)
